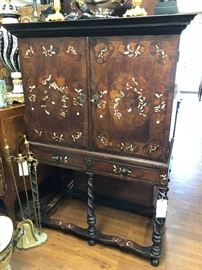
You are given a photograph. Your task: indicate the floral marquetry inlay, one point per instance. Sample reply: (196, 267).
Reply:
(104, 140)
(117, 101)
(152, 147)
(132, 49)
(128, 147)
(103, 52)
(58, 138)
(38, 132)
(161, 104)
(134, 86)
(71, 50)
(159, 53)
(80, 98)
(159, 107)
(76, 136)
(48, 51)
(32, 96)
(29, 52)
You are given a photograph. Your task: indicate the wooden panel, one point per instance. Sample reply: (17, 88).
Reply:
(2, 179)
(132, 82)
(126, 172)
(56, 91)
(56, 158)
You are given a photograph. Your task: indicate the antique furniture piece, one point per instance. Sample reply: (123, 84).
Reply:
(12, 127)
(100, 99)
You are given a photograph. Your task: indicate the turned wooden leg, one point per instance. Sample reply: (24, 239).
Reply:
(158, 230)
(91, 219)
(157, 240)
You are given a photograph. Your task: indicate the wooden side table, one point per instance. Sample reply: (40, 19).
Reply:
(12, 127)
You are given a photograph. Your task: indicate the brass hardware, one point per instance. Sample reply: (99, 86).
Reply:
(95, 99)
(56, 158)
(82, 97)
(89, 162)
(163, 179)
(125, 171)
(61, 159)
(121, 170)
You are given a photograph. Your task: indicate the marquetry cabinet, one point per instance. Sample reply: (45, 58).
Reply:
(100, 98)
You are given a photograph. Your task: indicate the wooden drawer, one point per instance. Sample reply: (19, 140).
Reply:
(66, 160)
(123, 171)
(99, 166)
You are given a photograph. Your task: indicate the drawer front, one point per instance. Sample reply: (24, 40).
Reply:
(125, 171)
(60, 159)
(100, 166)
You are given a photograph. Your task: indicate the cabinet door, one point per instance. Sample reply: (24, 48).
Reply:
(132, 82)
(55, 86)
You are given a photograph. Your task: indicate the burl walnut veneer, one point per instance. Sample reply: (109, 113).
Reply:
(100, 98)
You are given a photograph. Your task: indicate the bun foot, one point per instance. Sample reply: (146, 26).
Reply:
(91, 242)
(154, 261)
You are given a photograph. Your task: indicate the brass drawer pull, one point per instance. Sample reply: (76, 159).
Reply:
(121, 170)
(56, 158)
(126, 171)
(61, 159)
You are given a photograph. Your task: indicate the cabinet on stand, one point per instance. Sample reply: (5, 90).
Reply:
(100, 99)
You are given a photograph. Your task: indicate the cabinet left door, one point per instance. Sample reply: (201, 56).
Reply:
(55, 85)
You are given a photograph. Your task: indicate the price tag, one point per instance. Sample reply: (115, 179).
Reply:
(161, 208)
(23, 168)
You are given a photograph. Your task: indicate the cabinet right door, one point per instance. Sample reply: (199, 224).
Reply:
(131, 84)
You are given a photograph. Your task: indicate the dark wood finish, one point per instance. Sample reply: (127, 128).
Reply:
(12, 128)
(163, 25)
(100, 99)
